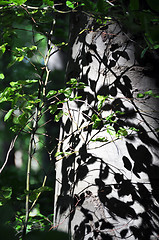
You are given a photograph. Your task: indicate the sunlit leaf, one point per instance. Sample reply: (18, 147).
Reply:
(19, 59)
(96, 120)
(51, 93)
(122, 132)
(8, 115)
(58, 154)
(68, 92)
(3, 48)
(110, 130)
(1, 76)
(100, 139)
(72, 81)
(62, 153)
(5, 2)
(69, 4)
(18, 2)
(140, 95)
(150, 93)
(23, 82)
(58, 116)
(134, 129)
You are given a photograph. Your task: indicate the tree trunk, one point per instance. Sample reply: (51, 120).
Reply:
(107, 177)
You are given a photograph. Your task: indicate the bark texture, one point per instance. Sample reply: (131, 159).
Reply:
(108, 189)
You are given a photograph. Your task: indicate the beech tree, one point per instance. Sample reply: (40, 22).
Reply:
(107, 166)
(104, 162)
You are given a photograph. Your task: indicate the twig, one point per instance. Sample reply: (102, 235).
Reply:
(33, 204)
(10, 149)
(30, 156)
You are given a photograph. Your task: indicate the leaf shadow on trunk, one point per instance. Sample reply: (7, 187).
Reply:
(116, 202)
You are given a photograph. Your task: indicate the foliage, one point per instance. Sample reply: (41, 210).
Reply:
(27, 97)
(139, 17)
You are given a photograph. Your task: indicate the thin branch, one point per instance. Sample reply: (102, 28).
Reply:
(33, 204)
(30, 156)
(8, 153)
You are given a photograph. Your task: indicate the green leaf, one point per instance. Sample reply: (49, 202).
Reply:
(109, 118)
(157, 130)
(96, 120)
(22, 119)
(58, 154)
(34, 193)
(75, 84)
(150, 93)
(140, 95)
(70, 4)
(18, 2)
(156, 46)
(144, 51)
(34, 101)
(19, 59)
(101, 100)
(134, 129)
(23, 82)
(1, 76)
(100, 139)
(29, 107)
(3, 99)
(30, 50)
(58, 116)
(8, 115)
(53, 108)
(68, 92)
(11, 63)
(42, 189)
(72, 81)
(122, 132)
(51, 93)
(119, 112)
(62, 153)
(5, 2)
(61, 90)
(6, 192)
(80, 85)
(156, 96)
(3, 49)
(94, 117)
(110, 130)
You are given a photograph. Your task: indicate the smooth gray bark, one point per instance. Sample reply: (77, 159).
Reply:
(108, 190)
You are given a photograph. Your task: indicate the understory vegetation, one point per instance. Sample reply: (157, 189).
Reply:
(34, 36)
